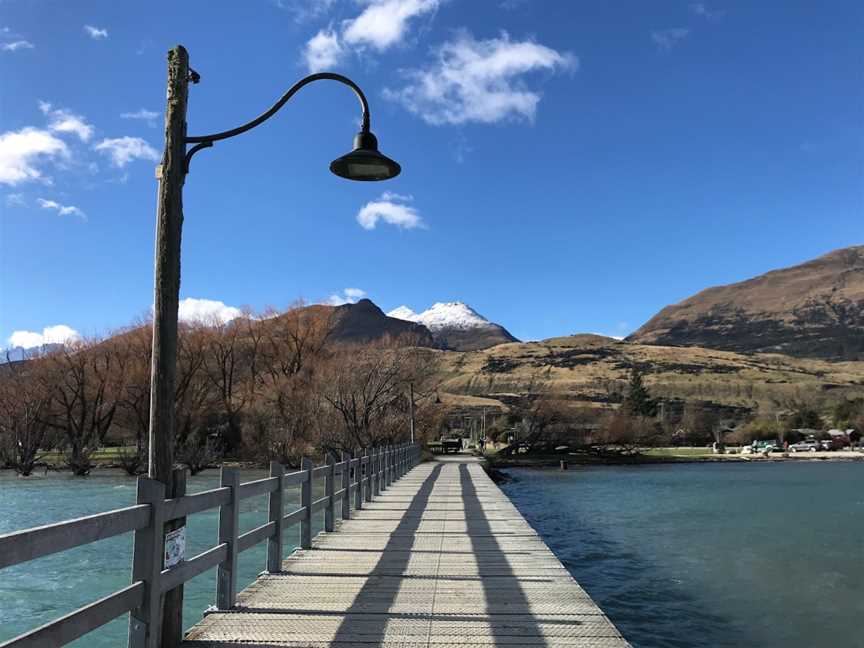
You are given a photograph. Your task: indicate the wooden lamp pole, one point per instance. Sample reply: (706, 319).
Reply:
(364, 163)
(163, 362)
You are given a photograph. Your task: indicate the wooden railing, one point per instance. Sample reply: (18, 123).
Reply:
(361, 478)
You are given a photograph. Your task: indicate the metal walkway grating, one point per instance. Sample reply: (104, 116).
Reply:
(441, 558)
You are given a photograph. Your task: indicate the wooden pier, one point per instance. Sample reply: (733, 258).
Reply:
(420, 554)
(441, 558)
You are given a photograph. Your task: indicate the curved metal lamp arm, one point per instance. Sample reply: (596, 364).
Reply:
(205, 139)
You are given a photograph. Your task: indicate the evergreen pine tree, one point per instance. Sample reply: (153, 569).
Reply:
(638, 401)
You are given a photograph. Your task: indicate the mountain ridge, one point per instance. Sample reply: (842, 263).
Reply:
(813, 309)
(456, 326)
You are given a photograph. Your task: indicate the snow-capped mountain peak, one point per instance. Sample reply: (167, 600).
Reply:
(456, 326)
(403, 313)
(449, 315)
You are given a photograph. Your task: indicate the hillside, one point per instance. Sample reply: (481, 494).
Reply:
(364, 322)
(456, 326)
(592, 370)
(814, 310)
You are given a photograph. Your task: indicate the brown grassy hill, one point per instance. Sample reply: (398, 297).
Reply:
(593, 370)
(364, 322)
(815, 309)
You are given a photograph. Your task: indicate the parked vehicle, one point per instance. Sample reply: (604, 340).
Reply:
(451, 445)
(805, 446)
(758, 447)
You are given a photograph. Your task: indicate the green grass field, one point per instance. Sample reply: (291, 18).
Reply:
(678, 452)
(102, 455)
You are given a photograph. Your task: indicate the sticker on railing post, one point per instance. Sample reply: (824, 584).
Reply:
(175, 547)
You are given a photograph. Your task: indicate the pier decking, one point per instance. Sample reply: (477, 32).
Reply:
(441, 558)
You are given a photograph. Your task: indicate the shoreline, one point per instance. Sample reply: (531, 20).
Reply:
(554, 460)
(540, 461)
(40, 470)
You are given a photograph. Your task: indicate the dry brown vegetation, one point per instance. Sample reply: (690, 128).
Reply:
(593, 371)
(569, 390)
(255, 389)
(283, 385)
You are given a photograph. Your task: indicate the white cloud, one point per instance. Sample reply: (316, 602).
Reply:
(380, 26)
(304, 10)
(701, 9)
(61, 120)
(355, 293)
(15, 200)
(384, 23)
(21, 152)
(14, 46)
(348, 296)
(323, 51)
(63, 210)
(666, 39)
(123, 150)
(390, 208)
(58, 334)
(95, 33)
(479, 81)
(206, 311)
(148, 116)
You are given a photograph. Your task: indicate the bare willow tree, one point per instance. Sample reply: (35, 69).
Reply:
(195, 445)
(625, 433)
(83, 380)
(287, 409)
(368, 388)
(132, 350)
(24, 405)
(230, 360)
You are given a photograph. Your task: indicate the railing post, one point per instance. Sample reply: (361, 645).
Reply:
(277, 515)
(330, 505)
(145, 629)
(346, 486)
(384, 471)
(172, 605)
(376, 472)
(367, 472)
(357, 462)
(229, 524)
(306, 503)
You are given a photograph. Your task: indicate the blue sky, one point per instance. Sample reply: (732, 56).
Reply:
(567, 166)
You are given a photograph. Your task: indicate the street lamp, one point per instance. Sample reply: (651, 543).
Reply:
(364, 163)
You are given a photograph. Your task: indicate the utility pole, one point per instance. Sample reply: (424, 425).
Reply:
(169, 223)
(163, 366)
(411, 387)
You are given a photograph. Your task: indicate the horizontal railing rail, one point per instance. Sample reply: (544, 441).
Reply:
(353, 477)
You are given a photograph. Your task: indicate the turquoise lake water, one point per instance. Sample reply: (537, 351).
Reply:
(679, 556)
(699, 555)
(42, 590)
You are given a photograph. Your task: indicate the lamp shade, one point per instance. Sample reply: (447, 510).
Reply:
(365, 163)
